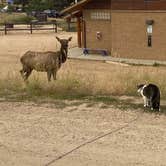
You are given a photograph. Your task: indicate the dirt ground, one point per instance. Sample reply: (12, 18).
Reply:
(33, 134)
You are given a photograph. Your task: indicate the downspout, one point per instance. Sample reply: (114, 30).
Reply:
(79, 31)
(84, 30)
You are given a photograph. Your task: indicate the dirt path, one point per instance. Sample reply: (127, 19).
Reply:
(35, 135)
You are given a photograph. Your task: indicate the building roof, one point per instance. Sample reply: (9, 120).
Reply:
(77, 13)
(75, 7)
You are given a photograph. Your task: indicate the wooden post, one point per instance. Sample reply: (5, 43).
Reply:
(79, 32)
(31, 27)
(68, 24)
(84, 33)
(56, 27)
(5, 28)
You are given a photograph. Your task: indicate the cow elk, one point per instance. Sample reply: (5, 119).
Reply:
(49, 61)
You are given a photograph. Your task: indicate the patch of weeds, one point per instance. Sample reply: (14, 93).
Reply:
(104, 106)
(34, 89)
(72, 110)
(113, 101)
(138, 64)
(60, 104)
(155, 64)
(77, 103)
(65, 97)
(103, 99)
(132, 64)
(90, 104)
(127, 105)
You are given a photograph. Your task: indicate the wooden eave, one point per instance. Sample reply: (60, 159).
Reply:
(77, 13)
(76, 7)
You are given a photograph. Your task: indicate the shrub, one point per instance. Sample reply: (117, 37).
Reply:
(15, 18)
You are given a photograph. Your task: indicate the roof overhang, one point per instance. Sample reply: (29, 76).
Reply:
(76, 7)
(77, 13)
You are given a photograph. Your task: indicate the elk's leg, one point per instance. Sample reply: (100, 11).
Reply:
(54, 74)
(27, 74)
(24, 71)
(49, 75)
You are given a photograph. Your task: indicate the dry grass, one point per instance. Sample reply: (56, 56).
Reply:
(75, 78)
(84, 78)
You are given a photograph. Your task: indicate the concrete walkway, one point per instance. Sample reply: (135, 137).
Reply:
(77, 53)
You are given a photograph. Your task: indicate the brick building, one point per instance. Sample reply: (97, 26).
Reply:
(126, 28)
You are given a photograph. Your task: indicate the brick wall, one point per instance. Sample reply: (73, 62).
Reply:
(126, 34)
(129, 35)
(92, 27)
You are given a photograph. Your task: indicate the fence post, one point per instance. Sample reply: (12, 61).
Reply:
(5, 29)
(55, 26)
(31, 27)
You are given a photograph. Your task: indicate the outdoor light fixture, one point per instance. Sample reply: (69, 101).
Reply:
(149, 24)
(149, 29)
(98, 35)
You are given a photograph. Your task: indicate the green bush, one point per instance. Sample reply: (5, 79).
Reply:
(23, 19)
(15, 18)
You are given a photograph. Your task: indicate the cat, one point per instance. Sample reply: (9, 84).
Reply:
(151, 95)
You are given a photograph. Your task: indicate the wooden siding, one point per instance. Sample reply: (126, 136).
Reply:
(138, 5)
(127, 4)
(99, 4)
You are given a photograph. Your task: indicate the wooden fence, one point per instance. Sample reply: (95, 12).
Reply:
(33, 26)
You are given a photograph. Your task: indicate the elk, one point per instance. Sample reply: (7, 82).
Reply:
(49, 61)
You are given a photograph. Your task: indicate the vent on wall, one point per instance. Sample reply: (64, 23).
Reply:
(100, 15)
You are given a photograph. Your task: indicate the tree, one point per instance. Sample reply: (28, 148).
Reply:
(40, 5)
(22, 2)
(60, 4)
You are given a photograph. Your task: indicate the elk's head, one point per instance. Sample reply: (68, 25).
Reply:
(64, 48)
(64, 42)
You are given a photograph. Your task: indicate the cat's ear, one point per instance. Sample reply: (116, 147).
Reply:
(140, 85)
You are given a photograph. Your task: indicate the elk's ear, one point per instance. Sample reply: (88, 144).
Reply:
(69, 38)
(58, 38)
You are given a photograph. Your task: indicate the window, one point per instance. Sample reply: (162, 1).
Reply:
(100, 15)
